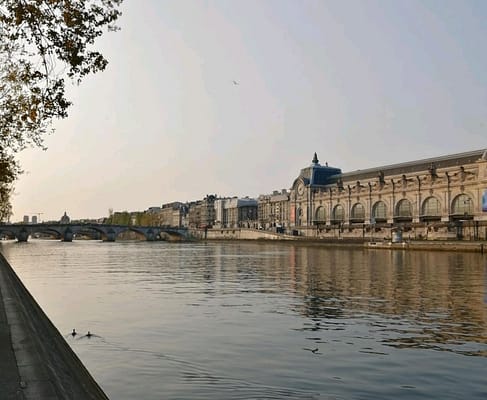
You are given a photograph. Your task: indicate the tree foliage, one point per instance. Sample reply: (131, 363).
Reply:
(8, 171)
(138, 218)
(43, 43)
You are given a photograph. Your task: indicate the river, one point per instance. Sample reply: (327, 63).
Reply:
(248, 320)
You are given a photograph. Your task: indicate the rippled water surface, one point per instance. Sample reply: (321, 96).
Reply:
(246, 320)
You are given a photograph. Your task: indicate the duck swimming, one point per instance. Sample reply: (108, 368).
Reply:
(89, 335)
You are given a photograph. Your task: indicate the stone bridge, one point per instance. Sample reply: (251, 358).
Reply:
(109, 233)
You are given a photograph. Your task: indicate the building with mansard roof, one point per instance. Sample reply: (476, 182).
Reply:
(273, 210)
(236, 212)
(435, 198)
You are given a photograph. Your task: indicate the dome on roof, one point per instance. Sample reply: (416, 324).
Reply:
(65, 219)
(317, 174)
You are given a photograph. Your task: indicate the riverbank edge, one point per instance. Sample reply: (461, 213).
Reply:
(456, 246)
(47, 366)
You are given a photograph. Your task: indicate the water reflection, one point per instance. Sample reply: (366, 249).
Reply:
(426, 300)
(250, 320)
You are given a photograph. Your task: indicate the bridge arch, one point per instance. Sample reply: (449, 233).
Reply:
(68, 232)
(44, 230)
(8, 233)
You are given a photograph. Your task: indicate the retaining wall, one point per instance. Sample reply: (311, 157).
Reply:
(47, 366)
(427, 245)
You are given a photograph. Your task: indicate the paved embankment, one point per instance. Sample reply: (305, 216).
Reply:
(426, 245)
(36, 363)
(475, 247)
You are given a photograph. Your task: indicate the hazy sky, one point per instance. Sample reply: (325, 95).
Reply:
(362, 83)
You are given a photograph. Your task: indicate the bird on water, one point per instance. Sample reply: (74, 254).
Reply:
(89, 335)
(314, 351)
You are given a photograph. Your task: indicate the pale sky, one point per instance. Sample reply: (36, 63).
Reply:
(362, 83)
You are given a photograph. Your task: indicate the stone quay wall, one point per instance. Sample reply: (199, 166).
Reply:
(406, 243)
(47, 367)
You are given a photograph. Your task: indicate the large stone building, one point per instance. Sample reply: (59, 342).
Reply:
(236, 212)
(434, 198)
(201, 213)
(437, 198)
(173, 214)
(273, 211)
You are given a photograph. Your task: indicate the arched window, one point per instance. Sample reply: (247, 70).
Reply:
(338, 213)
(431, 209)
(299, 216)
(358, 213)
(404, 210)
(462, 205)
(379, 212)
(320, 215)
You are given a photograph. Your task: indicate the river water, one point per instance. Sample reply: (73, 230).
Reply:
(244, 320)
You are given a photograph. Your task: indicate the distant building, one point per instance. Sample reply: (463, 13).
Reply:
(433, 198)
(236, 212)
(208, 211)
(194, 214)
(219, 203)
(65, 219)
(437, 198)
(26, 219)
(173, 214)
(34, 219)
(273, 210)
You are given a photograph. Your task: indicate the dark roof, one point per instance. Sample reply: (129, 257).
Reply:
(321, 176)
(318, 175)
(410, 167)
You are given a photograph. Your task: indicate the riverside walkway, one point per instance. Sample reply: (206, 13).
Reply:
(36, 363)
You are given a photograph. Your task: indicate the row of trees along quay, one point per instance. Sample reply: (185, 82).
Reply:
(43, 45)
(138, 218)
